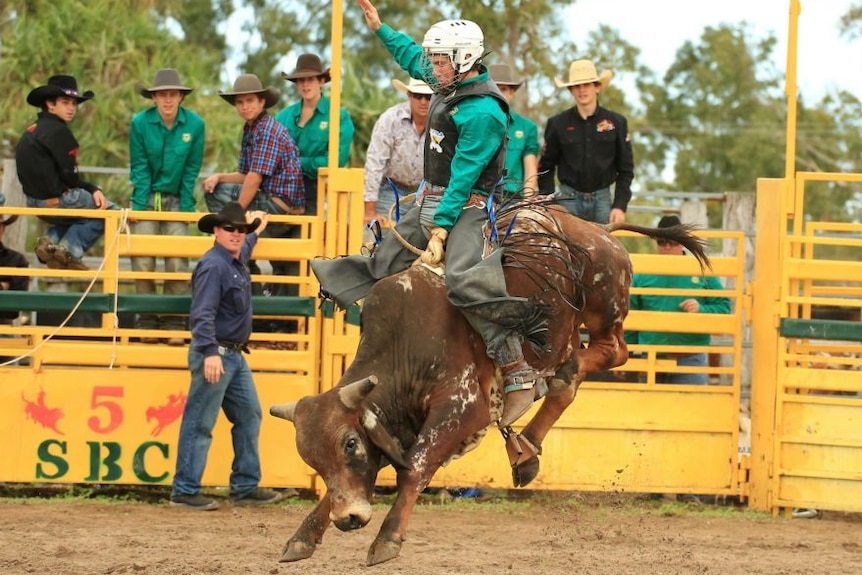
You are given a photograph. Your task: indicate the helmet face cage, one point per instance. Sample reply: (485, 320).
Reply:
(444, 87)
(461, 40)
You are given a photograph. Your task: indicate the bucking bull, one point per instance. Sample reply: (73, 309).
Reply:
(421, 390)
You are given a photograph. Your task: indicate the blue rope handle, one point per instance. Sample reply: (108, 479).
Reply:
(397, 198)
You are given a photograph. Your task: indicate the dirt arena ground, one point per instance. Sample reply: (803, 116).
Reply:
(588, 534)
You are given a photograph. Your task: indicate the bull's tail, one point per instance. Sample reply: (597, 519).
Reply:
(681, 234)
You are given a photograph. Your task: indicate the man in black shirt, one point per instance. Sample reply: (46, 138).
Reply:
(589, 148)
(47, 160)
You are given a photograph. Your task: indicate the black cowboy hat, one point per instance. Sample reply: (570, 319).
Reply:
(57, 86)
(166, 79)
(250, 84)
(308, 66)
(232, 214)
(669, 221)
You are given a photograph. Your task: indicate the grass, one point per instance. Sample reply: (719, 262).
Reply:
(503, 501)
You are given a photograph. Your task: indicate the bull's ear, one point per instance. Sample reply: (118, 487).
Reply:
(381, 437)
(284, 410)
(352, 394)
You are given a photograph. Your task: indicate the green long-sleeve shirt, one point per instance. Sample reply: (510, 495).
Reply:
(313, 138)
(708, 304)
(523, 142)
(481, 124)
(163, 160)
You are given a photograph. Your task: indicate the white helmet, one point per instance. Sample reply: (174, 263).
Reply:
(461, 40)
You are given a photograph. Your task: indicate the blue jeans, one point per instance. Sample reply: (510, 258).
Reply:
(386, 199)
(77, 235)
(691, 360)
(236, 395)
(594, 207)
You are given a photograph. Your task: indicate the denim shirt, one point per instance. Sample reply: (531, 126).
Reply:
(221, 298)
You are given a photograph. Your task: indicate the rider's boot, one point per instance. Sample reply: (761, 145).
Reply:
(522, 385)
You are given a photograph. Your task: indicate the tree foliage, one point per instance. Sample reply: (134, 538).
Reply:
(714, 121)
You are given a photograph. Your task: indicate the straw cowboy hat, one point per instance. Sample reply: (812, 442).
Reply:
(308, 66)
(250, 84)
(231, 214)
(58, 86)
(166, 79)
(502, 74)
(584, 72)
(414, 86)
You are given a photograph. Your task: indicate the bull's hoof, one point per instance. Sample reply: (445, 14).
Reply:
(296, 551)
(383, 550)
(526, 471)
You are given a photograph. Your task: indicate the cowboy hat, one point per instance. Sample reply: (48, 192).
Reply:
(166, 79)
(584, 72)
(307, 66)
(502, 74)
(250, 84)
(57, 86)
(414, 86)
(231, 214)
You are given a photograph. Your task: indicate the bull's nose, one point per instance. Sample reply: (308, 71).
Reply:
(351, 522)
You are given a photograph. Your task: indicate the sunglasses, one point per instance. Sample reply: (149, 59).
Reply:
(420, 96)
(231, 229)
(665, 243)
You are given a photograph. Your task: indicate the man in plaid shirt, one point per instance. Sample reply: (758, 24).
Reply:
(269, 176)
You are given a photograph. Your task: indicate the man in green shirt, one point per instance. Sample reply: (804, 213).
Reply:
(677, 303)
(308, 124)
(166, 150)
(522, 150)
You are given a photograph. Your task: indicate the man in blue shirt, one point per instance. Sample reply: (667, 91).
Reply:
(221, 319)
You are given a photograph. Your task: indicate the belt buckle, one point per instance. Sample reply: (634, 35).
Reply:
(222, 350)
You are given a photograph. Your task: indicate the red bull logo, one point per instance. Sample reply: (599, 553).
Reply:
(168, 413)
(40, 413)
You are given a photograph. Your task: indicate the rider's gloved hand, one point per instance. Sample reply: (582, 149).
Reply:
(433, 253)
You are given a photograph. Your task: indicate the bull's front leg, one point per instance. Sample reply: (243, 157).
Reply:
(434, 446)
(309, 535)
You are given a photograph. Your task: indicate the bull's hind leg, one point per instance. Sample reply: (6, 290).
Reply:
(525, 466)
(607, 348)
(309, 535)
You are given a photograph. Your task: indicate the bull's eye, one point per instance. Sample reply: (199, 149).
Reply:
(350, 446)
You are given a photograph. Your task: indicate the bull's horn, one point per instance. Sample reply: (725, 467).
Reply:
(284, 410)
(352, 394)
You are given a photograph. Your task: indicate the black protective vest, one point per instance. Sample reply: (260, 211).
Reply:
(438, 165)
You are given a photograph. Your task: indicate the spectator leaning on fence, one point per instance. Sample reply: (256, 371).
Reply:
(394, 159)
(269, 176)
(687, 303)
(166, 150)
(47, 163)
